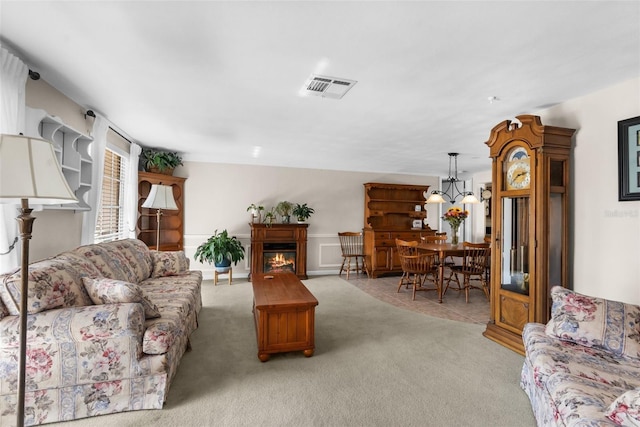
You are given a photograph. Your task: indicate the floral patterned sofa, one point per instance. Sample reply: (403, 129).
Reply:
(583, 367)
(107, 326)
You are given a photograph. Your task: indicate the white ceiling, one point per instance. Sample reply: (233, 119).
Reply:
(214, 80)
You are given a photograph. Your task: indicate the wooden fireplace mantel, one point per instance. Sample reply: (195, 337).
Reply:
(278, 233)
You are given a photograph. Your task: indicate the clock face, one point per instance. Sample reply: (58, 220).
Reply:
(519, 175)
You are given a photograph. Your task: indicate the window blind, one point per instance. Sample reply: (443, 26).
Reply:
(110, 221)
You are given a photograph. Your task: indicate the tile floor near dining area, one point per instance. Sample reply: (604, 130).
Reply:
(453, 305)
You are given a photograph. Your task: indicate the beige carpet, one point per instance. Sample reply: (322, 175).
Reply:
(375, 365)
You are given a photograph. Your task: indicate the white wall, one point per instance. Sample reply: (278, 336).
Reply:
(606, 232)
(217, 197)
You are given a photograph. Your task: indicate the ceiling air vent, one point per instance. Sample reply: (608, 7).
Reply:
(327, 87)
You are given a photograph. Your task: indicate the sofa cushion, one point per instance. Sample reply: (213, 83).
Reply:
(580, 401)
(548, 355)
(169, 263)
(137, 255)
(177, 297)
(79, 267)
(111, 291)
(109, 261)
(625, 410)
(595, 322)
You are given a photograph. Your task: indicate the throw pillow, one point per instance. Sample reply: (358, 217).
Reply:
(169, 263)
(625, 410)
(595, 322)
(111, 291)
(46, 289)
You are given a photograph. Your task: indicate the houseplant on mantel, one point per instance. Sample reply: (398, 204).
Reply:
(256, 212)
(220, 249)
(158, 161)
(302, 212)
(284, 210)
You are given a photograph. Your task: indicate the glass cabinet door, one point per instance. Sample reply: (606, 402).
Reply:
(514, 244)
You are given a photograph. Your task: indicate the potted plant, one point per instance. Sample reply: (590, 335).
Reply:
(302, 212)
(220, 249)
(256, 212)
(284, 210)
(159, 161)
(269, 217)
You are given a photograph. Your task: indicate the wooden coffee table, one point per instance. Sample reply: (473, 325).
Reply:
(284, 312)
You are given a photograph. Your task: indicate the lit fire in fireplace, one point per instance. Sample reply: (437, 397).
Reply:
(279, 262)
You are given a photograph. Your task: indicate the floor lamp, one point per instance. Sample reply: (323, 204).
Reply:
(160, 197)
(29, 171)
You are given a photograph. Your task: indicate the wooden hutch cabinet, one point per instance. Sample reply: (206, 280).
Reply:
(171, 222)
(390, 211)
(530, 224)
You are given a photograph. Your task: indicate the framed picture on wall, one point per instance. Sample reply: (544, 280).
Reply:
(629, 159)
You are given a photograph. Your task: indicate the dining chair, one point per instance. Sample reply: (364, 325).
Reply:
(439, 238)
(417, 267)
(473, 267)
(352, 247)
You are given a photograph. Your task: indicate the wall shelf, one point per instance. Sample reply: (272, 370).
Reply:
(72, 150)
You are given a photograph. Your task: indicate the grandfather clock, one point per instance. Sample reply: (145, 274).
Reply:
(530, 177)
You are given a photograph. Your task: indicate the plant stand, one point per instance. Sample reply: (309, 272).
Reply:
(216, 273)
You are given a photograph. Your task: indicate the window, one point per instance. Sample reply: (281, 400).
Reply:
(110, 221)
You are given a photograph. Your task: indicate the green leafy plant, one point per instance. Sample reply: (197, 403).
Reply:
(284, 210)
(269, 217)
(161, 160)
(256, 212)
(302, 212)
(255, 208)
(220, 247)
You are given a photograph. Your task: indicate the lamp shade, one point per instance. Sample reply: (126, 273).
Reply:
(435, 197)
(160, 197)
(29, 170)
(469, 198)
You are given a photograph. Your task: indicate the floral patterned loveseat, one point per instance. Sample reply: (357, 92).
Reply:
(107, 326)
(583, 367)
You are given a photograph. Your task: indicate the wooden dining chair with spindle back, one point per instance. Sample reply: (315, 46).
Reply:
(352, 248)
(473, 267)
(418, 266)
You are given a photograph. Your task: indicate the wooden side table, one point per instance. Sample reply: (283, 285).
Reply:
(215, 276)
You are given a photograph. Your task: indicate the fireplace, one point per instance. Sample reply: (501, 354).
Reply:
(278, 257)
(279, 248)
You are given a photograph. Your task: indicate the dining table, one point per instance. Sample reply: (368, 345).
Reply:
(443, 249)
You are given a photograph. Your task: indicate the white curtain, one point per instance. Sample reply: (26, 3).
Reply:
(131, 190)
(100, 128)
(13, 79)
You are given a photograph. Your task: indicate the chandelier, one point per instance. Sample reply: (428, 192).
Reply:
(452, 192)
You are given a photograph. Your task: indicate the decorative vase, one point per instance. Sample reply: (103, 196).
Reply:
(454, 234)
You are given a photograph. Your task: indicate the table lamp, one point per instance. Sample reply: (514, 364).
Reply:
(160, 197)
(29, 171)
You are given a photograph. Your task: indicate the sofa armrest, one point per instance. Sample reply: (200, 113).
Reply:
(76, 324)
(73, 346)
